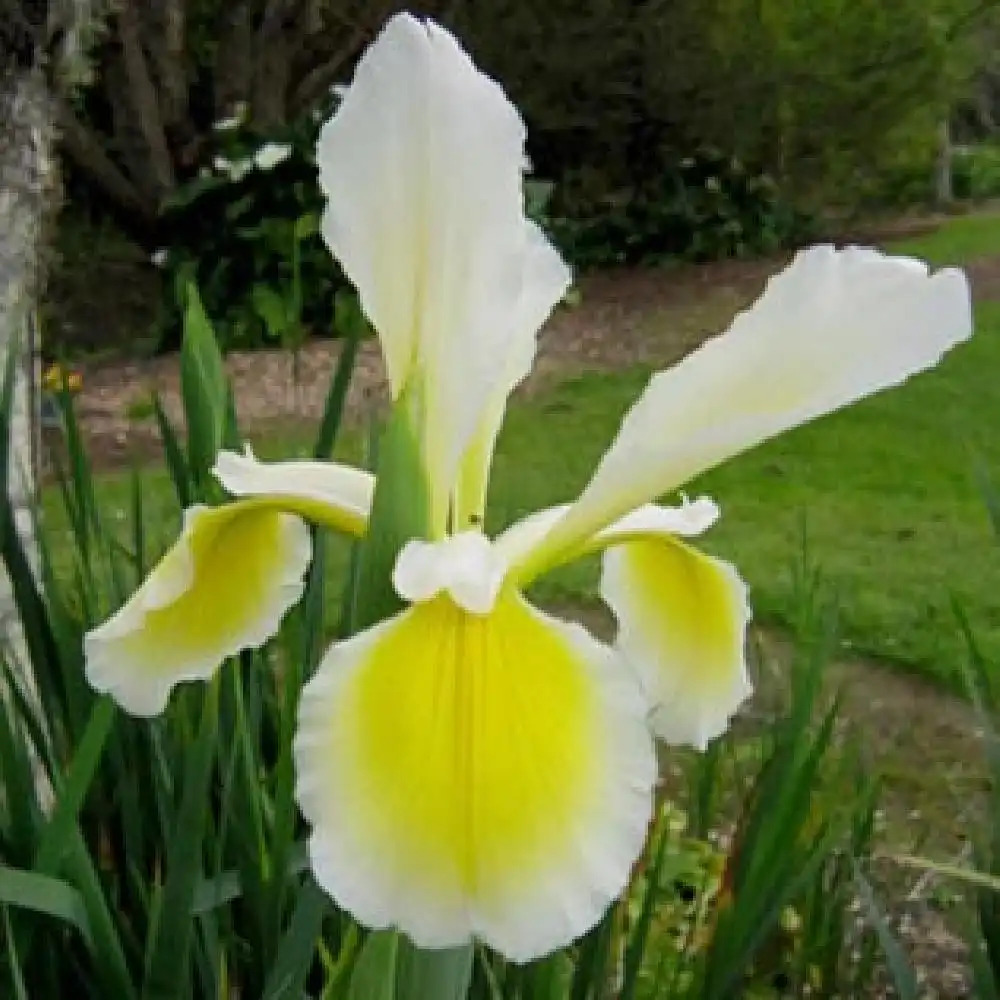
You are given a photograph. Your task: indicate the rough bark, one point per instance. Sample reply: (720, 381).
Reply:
(53, 52)
(278, 56)
(87, 150)
(28, 196)
(233, 69)
(331, 70)
(269, 101)
(145, 100)
(165, 40)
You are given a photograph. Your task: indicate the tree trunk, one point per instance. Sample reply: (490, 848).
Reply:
(943, 189)
(234, 58)
(269, 100)
(28, 195)
(87, 151)
(144, 99)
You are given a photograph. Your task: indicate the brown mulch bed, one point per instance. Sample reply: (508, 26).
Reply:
(626, 317)
(633, 316)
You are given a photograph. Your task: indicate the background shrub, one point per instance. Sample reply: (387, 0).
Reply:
(688, 128)
(708, 206)
(247, 233)
(977, 172)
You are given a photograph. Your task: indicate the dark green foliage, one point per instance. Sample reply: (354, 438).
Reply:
(706, 207)
(667, 130)
(809, 106)
(818, 95)
(251, 243)
(171, 864)
(976, 172)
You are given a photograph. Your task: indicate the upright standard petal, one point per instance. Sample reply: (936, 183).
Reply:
(682, 618)
(467, 775)
(421, 167)
(224, 586)
(546, 278)
(328, 493)
(833, 327)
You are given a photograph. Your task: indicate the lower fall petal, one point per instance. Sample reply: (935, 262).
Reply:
(224, 586)
(475, 776)
(682, 618)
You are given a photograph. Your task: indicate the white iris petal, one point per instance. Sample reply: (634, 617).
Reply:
(831, 328)
(421, 167)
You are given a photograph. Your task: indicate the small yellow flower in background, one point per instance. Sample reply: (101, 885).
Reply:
(55, 380)
(473, 767)
(52, 378)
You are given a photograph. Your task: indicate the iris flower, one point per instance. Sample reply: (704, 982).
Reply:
(473, 767)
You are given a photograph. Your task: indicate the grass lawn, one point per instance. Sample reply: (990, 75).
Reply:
(960, 240)
(886, 491)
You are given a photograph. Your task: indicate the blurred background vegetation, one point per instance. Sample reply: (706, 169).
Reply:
(658, 129)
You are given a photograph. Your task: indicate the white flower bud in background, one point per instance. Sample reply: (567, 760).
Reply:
(271, 154)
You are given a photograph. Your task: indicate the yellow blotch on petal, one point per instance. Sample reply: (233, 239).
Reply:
(452, 728)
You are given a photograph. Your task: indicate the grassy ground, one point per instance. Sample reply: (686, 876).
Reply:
(885, 493)
(960, 240)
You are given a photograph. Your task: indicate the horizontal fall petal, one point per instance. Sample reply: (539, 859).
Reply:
(223, 587)
(474, 776)
(682, 615)
(682, 619)
(518, 546)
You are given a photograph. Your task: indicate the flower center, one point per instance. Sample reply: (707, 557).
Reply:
(466, 566)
